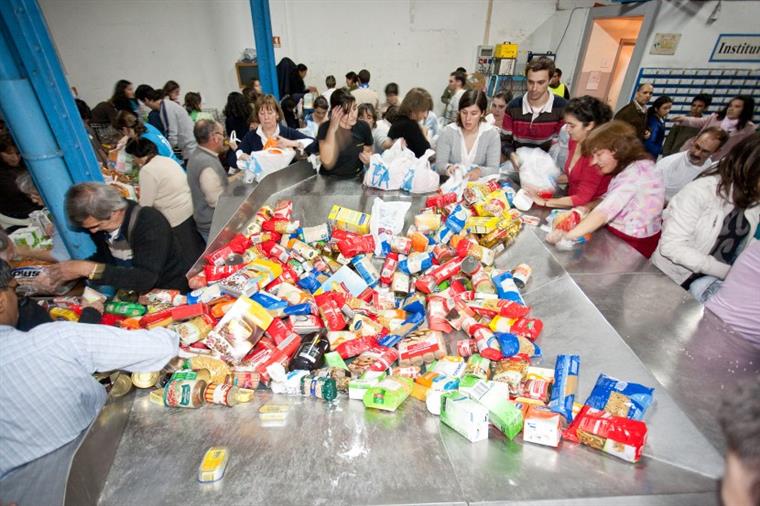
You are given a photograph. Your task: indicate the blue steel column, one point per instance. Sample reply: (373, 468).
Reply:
(28, 32)
(262, 35)
(30, 122)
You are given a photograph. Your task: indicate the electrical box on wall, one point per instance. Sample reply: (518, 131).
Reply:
(505, 50)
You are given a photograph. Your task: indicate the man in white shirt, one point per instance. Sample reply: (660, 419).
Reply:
(680, 169)
(49, 395)
(363, 94)
(457, 81)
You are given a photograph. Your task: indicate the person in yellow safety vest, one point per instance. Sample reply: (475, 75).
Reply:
(557, 87)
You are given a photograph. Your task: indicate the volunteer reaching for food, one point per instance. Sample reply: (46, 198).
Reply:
(136, 249)
(345, 144)
(711, 220)
(585, 182)
(632, 206)
(270, 134)
(470, 145)
(49, 395)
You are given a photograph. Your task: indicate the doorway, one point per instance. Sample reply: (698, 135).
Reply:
(619, 68)
(613, 46)
(608, 56)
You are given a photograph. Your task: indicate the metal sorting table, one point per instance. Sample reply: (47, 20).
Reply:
(605, 302)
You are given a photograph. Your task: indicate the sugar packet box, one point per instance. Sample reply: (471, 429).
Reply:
(467, 417)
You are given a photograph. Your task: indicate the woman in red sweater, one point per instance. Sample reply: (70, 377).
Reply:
(585, 183)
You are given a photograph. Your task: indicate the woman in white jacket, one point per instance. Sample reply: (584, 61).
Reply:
(709, 222)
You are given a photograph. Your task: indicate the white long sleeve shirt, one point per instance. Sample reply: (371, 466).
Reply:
(48, 393)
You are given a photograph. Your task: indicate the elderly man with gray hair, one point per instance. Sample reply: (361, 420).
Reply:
(205, 173)
(136, 249)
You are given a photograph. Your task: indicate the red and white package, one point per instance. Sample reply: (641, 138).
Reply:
(617, 435)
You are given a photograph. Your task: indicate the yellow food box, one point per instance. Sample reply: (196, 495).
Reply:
(349, 220)
(481, 224)
(505, 50)
(213, 464)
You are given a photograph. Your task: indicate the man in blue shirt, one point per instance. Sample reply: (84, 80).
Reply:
(49, 396)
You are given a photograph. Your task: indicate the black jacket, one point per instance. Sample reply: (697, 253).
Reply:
(157, 258)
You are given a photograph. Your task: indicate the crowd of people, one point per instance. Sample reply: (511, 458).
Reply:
(689, 200)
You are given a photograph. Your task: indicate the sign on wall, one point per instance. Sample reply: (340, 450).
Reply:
(665, 43)
(737, 47)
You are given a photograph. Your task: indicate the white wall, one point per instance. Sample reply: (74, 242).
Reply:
(196, 42)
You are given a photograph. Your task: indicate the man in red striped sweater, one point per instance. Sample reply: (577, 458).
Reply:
(534, 119)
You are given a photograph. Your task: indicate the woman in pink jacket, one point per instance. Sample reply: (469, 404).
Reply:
(734, 119)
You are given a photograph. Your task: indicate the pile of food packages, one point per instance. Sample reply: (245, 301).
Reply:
(348, 309)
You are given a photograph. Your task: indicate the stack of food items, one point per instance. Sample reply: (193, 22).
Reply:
(330, 309)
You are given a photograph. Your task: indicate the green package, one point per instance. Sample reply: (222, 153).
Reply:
(502, 412)
(389, 394)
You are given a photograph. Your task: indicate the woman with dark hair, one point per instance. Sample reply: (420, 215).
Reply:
(14, 202)
(391, 98)
(194, 106)
(656, 115)
(735, 119)
(470, 142)
(412, 112)
(632, 206)
(712, 219)
(368, 114)
(163, 186)
(237, 115)
(318, 116)
(585, 183)
(171, 90)
(131, 127)
(289, 112)
(345, 144)
(270, 133)
(122, 99)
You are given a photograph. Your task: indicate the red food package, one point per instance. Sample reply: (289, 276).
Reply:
(342, 235)
(218, 272)
(275, 251)
(111, 319)
(356, 346)
(278, 330)
(188, 311)
(566, 221)
(512, 309)
(239, 243)
(617, 435)
(356, 245)
(529, 328)
(441, 200)
(330, 311)
(157, 319)
(378, 358)
(289, 346)
(283, 209)
(219, 256)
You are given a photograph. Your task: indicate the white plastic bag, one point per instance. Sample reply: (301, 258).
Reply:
(538, 171)
(420, 176)
(387, 171)
(386, 220)
(267, 161)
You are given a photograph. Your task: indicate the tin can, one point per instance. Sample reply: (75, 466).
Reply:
(145, 379)
(221, 393)
(121, 384)
(243, 379)
(521, 275)
(320, 388)
(184, 393)
(470, 265)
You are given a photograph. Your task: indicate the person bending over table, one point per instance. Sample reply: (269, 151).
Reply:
(708, 223)
(585, 182)
(136, 249)
(49, 395)
(164, 186)
(345, 144)
(470, 141)
(632, 206)
(413, 110)
(269, 132)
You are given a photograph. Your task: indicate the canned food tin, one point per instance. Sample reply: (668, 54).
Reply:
(470, 265)
(243, 379)
(184, 393)
(221, 393)
(145, 379)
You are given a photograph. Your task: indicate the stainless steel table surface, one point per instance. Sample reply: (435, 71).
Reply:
(605, 302)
